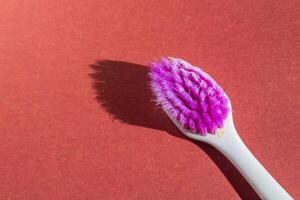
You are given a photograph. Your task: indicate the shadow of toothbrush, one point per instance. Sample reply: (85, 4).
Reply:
(121, 86)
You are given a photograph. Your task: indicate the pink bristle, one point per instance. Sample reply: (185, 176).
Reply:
(189, 94)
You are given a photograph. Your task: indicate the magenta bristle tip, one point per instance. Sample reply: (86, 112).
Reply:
(189, 94)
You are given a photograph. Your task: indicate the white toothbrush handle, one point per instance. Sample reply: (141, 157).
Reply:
(257, 176)
(228, 142)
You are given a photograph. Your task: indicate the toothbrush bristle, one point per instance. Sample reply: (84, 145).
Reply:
(189, 94)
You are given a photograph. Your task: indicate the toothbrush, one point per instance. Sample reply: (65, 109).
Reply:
(201, 110)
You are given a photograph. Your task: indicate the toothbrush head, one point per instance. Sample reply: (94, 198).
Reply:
(189, 95)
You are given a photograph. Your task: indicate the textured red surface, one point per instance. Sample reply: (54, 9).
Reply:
(59, 142)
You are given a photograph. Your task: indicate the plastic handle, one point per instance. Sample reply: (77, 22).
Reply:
(228, 142)
(257, 176)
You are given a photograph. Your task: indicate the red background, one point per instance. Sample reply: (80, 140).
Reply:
(59, 142)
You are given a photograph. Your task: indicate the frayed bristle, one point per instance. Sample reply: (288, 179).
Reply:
(189, 94)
